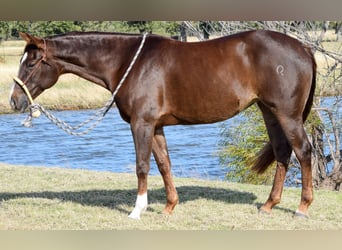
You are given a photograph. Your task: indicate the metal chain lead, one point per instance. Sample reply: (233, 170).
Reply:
(71, 130)
(97, 117)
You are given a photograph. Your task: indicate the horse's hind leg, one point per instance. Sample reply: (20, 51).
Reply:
(160, 152)
(295, 133)
(282, 151)
(288, 132)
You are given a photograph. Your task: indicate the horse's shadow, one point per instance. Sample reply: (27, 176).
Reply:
(116, 199)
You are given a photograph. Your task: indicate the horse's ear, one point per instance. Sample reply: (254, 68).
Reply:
(32, 39)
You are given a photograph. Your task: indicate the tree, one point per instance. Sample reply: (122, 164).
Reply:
(4, 30)
(142, 26)
(206, 28)
(11, 29)
(48, 28)
(173, 28)
(240, 144)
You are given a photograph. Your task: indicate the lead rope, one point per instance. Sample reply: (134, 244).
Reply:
(36, 109)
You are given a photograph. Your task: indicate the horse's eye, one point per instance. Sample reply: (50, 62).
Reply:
(31, 64)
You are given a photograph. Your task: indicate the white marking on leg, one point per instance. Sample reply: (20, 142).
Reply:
(140, 206)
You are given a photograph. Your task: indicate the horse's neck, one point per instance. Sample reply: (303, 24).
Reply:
(96, 60)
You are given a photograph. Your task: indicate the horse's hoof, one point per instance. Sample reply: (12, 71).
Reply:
(136, 213)
(134, 216)
(166, 212)
(262, 211)
(299, 214)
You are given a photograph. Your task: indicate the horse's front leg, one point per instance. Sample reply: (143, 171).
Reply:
(161, 155)
(142, 134)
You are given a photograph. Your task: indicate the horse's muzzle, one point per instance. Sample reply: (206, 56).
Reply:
(19, 104)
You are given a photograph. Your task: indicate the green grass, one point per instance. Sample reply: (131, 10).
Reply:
(55, 198)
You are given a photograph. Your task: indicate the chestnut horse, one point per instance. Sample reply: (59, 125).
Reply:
(176, 82)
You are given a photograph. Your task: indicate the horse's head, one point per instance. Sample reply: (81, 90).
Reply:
(37, 72)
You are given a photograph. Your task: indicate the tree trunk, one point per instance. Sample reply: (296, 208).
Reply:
(319, 161)
(183, 32)
(322, 178)
(338, 31)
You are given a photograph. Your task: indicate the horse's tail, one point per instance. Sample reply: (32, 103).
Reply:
(309, 102)
(266, 155)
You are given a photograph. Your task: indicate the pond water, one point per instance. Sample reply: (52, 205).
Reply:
(109, 147)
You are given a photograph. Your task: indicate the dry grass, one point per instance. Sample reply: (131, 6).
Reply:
(53, 198)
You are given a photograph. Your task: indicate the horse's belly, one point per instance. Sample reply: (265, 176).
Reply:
(210, 98)
(210, 111)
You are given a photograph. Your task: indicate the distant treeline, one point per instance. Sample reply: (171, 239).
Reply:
(9, 30)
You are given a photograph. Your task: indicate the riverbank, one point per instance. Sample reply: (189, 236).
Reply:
(42, 198)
